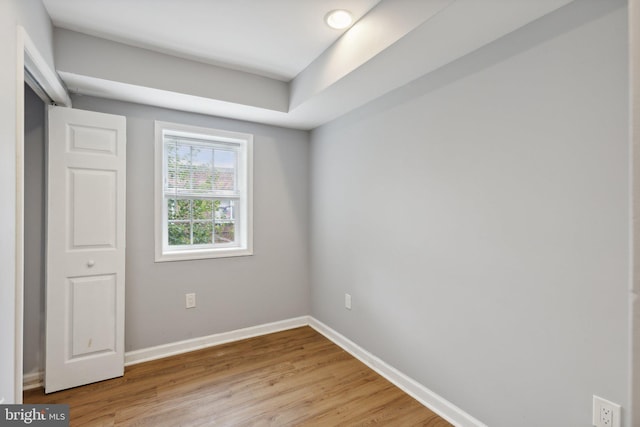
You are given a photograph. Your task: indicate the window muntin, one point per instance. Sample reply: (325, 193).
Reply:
(205, 193)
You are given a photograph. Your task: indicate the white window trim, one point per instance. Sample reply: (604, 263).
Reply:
(246, 216)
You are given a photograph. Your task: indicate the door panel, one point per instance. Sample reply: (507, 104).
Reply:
(93, 322)
(92, 140)
(92, 209)
(85, 248)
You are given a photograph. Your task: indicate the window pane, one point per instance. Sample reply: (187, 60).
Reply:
(225, 232)
(225, 221)
(194, 169)
(203, 209)
(170, 150)
(225, 162)
(178, 209)
(202, 166)
(183, 167)
(224, 210)
(202, 233)
(179, 234)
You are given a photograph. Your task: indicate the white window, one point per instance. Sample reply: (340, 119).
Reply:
(203, 192)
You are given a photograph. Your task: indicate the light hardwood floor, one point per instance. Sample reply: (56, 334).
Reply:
(291, 378)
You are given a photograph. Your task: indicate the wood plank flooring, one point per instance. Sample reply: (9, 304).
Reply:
(291, 378)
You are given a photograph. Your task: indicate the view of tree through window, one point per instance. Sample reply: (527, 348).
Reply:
(197, 222)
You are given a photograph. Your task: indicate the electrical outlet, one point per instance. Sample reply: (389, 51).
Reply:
(190, 300)
(605, 413)
(347, 301)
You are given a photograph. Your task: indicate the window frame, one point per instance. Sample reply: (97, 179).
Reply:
(245, 184)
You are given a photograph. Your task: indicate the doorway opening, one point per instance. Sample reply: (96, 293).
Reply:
(35, 101)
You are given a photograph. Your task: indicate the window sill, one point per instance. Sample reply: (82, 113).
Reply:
(202, 254)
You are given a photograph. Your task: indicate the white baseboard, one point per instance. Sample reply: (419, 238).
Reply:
(179, 347)
(422, 394)
(32, 380)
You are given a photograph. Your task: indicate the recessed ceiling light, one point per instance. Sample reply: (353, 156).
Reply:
(339, 19)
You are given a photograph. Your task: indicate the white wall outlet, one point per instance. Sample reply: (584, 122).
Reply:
(190, 300)
(605, 413)
(347, 301)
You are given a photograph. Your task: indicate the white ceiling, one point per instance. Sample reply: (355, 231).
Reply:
(272, 38)
(269, 61)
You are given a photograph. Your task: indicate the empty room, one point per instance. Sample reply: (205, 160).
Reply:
(320, 212)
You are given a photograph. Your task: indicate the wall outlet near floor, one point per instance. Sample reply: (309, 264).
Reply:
(347, 301)
(190, 300)
(605, 413)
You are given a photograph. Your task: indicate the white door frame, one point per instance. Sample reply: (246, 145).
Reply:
(30, 59)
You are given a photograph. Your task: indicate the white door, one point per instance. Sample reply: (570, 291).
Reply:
(85, 248)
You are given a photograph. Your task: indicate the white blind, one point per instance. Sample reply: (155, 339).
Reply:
(198, 168)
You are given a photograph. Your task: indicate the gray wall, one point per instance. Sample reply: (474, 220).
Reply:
(231, 293)
(634, 336)
(479, 217)
(34, 222)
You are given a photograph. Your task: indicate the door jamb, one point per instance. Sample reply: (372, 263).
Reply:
(28, 58)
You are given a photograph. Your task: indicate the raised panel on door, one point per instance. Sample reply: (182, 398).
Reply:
(92, 316)
(93, 210)
(91, 139)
